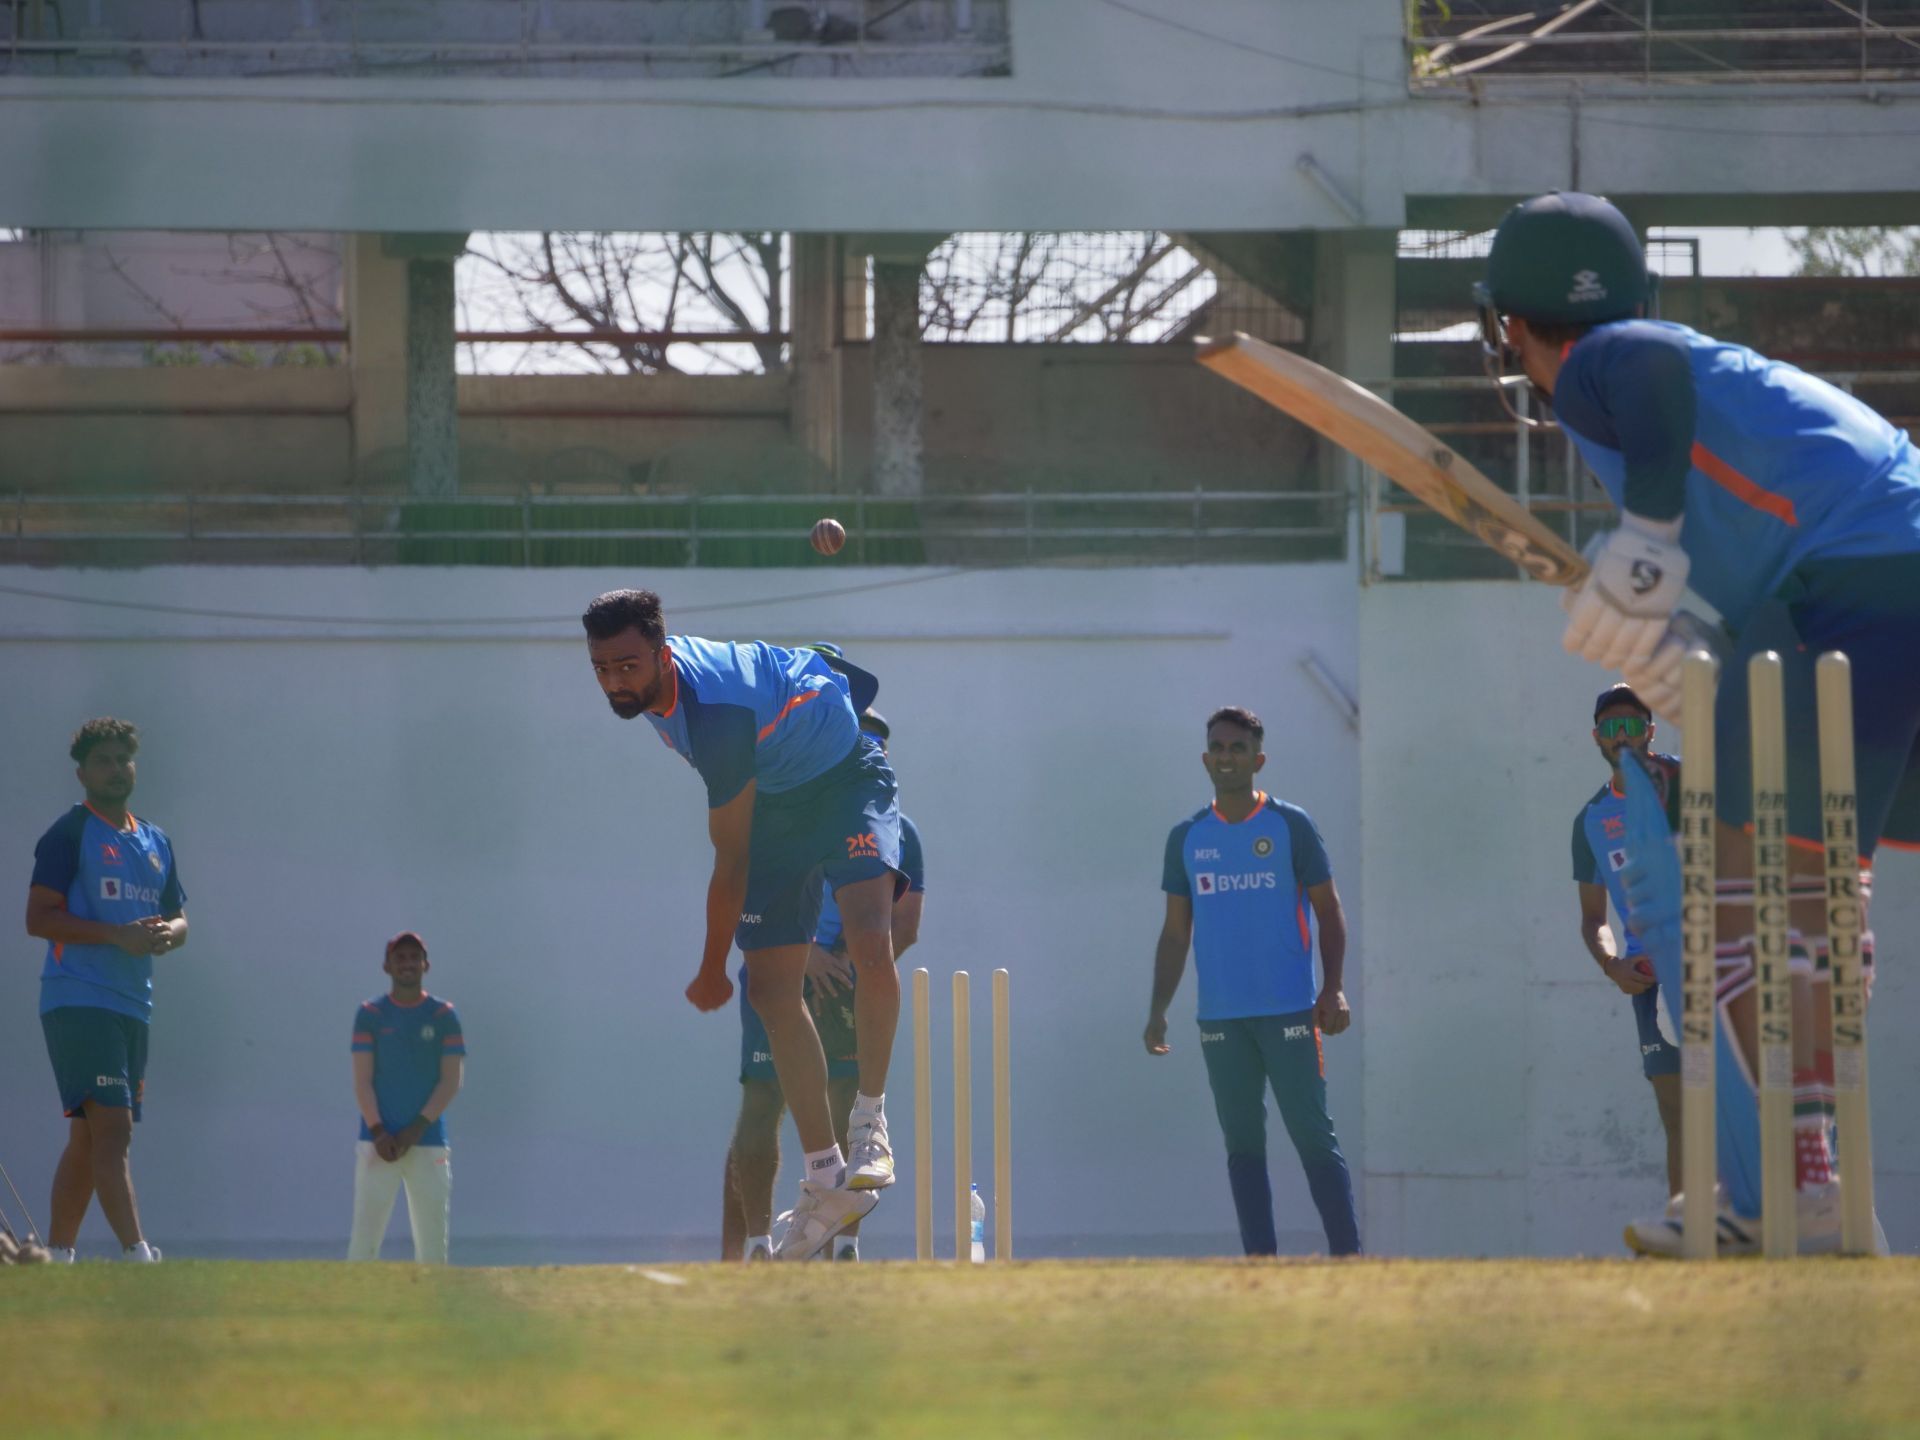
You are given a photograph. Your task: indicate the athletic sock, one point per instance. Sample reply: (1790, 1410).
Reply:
(865, 1104)
(1812, 1156)
(826, 1167)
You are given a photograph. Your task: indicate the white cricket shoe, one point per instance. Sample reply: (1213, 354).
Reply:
(1661, 1237)
(823, 1212)
(869, 1156)
(141, 1254)
(60, 1254)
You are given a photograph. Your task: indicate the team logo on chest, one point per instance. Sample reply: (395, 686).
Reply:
(1263, 847)
(426, 1032)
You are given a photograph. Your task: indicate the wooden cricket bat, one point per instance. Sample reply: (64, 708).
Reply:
(1359, 421)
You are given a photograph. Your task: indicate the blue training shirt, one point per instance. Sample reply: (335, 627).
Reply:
(1770, 466)
(1252, 924)
(755, 712)
(116, 877)
(407, 1043)
(1600, 852)
(826, 934)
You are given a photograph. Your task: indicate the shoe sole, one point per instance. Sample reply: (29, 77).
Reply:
(850, 1218)
(869, 1182)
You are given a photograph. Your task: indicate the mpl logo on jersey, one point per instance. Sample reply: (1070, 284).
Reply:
(1208, 882)
(114, 888)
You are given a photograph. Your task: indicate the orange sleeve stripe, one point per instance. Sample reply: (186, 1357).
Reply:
(1300, 914)
(787, 709)
(1740, 487)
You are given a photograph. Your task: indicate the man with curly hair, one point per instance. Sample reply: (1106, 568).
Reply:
(106, 897)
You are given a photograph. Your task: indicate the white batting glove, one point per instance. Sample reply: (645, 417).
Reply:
(1618, 617)
(1658, 680)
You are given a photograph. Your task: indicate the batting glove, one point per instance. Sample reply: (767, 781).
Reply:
(1618, 617)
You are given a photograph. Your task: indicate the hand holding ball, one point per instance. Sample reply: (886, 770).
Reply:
(828, 536)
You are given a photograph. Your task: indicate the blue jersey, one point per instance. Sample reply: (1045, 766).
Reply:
(755, 712)
(116, 877)
(1771, 467)
(1252, 925)
(826, 932)
(1600, 846)
(407, 1043)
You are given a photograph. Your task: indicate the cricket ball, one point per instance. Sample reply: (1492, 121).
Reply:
(828, 536)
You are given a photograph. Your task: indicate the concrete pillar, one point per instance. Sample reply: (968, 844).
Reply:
(898, 405)
(376, 292)
(400, 323)
(1351, 328)
(814, 391)
(433, 408)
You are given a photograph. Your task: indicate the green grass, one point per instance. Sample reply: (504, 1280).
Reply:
(1541, 1349)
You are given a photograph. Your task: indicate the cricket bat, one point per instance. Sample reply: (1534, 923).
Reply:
(1359, 421)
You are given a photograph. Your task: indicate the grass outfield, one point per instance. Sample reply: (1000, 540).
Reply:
(1427, 1348)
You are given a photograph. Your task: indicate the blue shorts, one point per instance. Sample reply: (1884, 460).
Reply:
(1869, 608)
(832, 1017)
(1658, 1055)
(839, 828)
(98, 1055)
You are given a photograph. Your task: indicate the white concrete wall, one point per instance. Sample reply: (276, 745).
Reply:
(1505, 1109)
(329, 784)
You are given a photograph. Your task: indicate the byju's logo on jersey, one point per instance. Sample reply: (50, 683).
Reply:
(114, 888)
(1617, 859)
(1206, 882)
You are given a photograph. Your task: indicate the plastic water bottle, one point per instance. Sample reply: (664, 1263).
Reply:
(978, 1209)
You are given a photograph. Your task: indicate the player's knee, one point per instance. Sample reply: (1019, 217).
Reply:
(776, 999)
(109, 1129)
(761, 1105)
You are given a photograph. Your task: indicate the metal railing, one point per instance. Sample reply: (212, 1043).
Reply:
(1018, 527)
(1658, 41)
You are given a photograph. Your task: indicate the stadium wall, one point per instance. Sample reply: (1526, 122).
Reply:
(329, 784)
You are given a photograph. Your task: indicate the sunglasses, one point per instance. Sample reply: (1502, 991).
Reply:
(1615, 726)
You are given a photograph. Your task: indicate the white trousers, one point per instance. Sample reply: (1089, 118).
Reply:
(427, 1172)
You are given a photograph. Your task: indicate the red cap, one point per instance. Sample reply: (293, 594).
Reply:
(413, 935)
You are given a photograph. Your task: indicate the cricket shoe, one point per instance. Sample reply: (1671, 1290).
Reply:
(141, 1253)
(1661, 1237)
(823, 1212)
(869, 1156)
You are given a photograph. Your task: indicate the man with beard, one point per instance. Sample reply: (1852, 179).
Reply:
(796, 796)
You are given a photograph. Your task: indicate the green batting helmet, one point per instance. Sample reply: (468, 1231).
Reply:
(1566, 258)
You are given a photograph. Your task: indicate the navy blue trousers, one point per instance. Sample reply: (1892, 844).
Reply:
(1244, 1057)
